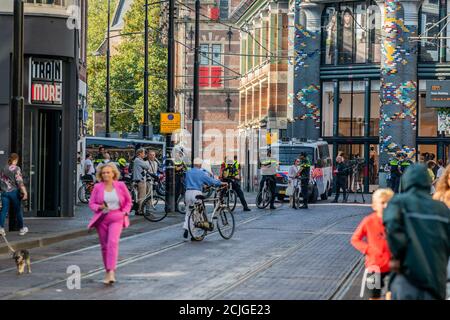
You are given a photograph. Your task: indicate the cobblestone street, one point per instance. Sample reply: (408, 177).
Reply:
(280, 254)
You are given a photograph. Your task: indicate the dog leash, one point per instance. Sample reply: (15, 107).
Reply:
(7, 243)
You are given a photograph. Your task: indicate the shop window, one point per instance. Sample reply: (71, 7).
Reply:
(351, 33)
(351, 108)
(327, 108)
(427, 117)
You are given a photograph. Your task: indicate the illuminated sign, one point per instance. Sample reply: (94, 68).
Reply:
(438, 94)
(46, 80)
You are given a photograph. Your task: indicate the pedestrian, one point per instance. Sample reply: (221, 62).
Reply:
(111, 203)
(13, 191)
(292, 182)
(341, 173)
(418, 234)
(431, 165)
(231, 174)
(88, 168)
(180, 170)
(154, 163)
(395, 172)
(443, 187)
(440, 168)
(106, 158)
(269, 166)
(375, 246)
(195, 179)
(304, 172)
(139, 167)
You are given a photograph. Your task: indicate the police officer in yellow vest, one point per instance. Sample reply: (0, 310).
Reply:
(269, 168)
(395, 170)
(231, 174)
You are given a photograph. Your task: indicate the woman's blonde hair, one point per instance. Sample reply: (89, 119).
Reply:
(383, 193)
(442, 185)
(113, 167)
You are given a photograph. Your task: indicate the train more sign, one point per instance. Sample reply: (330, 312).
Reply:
(46, 81)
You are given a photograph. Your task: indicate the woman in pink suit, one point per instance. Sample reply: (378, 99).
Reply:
(111, 202)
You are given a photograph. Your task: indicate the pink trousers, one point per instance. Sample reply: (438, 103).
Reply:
(109, 230)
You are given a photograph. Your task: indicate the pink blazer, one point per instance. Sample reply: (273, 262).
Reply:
(97, 198)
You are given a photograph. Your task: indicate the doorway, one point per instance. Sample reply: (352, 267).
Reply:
(42, 161)
(48, 163)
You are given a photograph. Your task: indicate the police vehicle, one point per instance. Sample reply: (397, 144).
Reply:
(287, 151)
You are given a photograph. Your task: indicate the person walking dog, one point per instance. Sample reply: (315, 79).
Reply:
(111, 203)
(13, 191)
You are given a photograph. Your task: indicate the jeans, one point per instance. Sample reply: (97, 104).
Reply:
(13, 198)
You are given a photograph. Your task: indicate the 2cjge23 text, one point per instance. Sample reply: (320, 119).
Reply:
(229, 310)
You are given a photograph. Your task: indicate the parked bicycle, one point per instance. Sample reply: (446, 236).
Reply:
(200, 224)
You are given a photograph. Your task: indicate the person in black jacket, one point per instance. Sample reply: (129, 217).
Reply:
(418, 234)
(341, 172)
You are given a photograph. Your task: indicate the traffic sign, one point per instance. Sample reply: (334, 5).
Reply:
(170, 122)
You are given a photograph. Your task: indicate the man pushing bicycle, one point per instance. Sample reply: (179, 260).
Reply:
(269, 168)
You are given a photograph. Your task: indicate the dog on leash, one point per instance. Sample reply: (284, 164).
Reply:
(22, 259)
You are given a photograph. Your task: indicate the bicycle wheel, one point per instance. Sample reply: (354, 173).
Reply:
(196, 219)
(83, 194)
(263, 198)
(151, 212)
(225, 223)
(231, 200)
(181, 204)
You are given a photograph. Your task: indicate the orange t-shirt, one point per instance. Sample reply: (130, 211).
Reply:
(375, 248)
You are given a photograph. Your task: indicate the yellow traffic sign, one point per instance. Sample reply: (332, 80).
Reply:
(170, 122)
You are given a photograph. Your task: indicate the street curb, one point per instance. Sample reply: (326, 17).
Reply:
(39, 242)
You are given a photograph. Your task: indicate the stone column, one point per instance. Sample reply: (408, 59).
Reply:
(307, 70)
(398, 79)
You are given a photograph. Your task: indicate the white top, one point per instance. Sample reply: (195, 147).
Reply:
(271, 168)
(439, 172)
(87, 163)
(293, 170)
(112, 200)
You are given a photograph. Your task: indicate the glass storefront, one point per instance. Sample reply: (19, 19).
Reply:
(351, 33)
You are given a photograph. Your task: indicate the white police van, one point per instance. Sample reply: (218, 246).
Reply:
(288, 151)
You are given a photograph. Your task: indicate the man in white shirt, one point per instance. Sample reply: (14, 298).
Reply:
(88, 167)
(154, 164)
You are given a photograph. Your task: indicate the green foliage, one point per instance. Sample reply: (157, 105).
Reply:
(127, 68)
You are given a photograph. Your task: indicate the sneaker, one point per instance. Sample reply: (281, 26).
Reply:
(2, 232)
(23, 231)
(247, 209)
(185, 235)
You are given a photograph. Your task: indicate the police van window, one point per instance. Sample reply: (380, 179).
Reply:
(287, 155)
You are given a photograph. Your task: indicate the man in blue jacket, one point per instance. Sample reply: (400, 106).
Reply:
(195, 179)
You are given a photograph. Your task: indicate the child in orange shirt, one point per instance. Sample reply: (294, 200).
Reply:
(375, 247)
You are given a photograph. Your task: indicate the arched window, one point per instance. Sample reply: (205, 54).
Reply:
(351, 33)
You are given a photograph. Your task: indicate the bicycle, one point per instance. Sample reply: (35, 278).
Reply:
(85, 190)
(151, 200)
(199, 223)
(264, 196)
(230, 196)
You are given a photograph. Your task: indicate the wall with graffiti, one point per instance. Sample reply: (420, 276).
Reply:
(398, 111)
